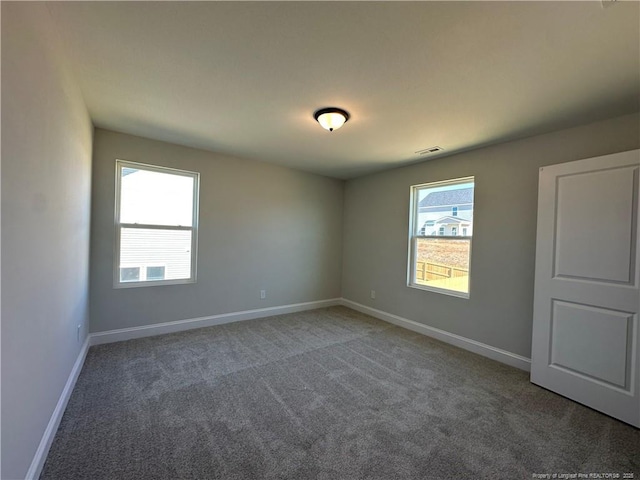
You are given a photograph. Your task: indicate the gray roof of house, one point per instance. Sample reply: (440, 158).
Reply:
(448, 197)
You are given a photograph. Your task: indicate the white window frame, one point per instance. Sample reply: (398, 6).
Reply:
(118, 226)
(413, 219)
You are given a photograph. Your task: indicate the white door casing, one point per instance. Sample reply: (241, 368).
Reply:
(587, 284)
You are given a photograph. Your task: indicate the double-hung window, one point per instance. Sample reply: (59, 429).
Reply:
(440, 258)
(156, 220)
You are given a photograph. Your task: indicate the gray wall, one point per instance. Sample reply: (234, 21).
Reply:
(499, 312)
(261, 227)
(46, 174)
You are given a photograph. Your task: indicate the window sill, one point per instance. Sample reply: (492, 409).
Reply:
(442, 291)
(152, 283)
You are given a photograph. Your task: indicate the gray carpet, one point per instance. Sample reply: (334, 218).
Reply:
(325, 394)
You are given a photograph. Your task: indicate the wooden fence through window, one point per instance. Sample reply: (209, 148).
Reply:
(427, 271)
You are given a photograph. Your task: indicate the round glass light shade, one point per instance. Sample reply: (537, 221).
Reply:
(331, 118)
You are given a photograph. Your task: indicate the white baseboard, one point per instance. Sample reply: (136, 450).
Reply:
(523, 363)
(54, 422)
(191, 323)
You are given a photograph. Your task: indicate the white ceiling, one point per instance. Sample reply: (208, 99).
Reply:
(244, 78)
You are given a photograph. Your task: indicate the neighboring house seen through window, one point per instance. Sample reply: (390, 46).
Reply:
(439, 257)
(155, 273)
(156, 225)
(130, 274)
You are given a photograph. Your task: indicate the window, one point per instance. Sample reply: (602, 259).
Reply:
(156, 223)
(155, 273)
(129, 274)
(441, 262)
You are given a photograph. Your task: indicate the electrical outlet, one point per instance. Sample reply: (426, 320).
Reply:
(373, 294)
(78, 333)
(263, 294)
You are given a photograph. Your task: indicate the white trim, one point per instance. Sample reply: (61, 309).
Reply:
(188, 324)
(443, 291)
(118, 225)
(414, 233)
(503, 356)
(54, 422)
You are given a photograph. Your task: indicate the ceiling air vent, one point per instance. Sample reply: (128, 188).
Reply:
(429, 151)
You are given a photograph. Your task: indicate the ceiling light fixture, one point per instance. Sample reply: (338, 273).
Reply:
(331, 118)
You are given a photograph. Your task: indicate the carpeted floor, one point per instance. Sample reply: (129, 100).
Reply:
(325, 394)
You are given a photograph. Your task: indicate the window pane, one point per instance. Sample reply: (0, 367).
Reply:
(155, 198)
(155, 273)
(440, 208)
(130, 274)
(443, 263)
(140, 247)
(442, 219)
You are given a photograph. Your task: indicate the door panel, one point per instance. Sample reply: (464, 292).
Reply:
(579, 330)
(594, 233)
(587, 296)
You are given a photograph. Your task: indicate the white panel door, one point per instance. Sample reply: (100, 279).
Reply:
(587, 297)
